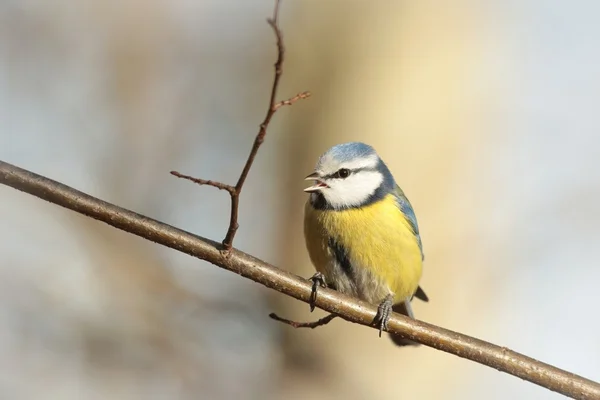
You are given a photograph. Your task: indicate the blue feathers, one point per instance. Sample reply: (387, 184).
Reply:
(409, 213)
(348, 151)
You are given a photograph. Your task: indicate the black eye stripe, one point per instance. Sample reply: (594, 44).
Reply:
(342, 173)
(337, 175)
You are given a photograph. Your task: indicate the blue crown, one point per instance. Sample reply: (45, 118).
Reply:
(349, 151)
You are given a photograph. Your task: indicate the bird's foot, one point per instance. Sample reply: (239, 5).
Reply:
(384, 311)
(317, 280)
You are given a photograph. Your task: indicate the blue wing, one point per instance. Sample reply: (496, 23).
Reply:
(408, 211)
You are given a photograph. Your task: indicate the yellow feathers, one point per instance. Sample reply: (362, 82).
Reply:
(376, 237)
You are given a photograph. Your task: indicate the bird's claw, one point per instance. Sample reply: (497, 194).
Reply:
(318, 279)
(384, 311)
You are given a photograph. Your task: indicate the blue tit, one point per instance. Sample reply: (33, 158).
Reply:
(361, 232)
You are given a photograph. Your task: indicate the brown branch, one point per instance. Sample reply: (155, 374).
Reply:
(348, 308)
(291, 100)
(218, 185)
(296, 324)
(259, 271)
(235, 191)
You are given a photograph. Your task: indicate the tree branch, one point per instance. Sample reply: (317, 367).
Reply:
(234, 191)
(207, 182)
(350, 309)
(296, 324)
(337, 304)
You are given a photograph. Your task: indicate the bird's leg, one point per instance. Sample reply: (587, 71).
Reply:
(318, 279)
(383, 313)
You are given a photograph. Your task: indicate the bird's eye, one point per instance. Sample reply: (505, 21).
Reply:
(343, 173)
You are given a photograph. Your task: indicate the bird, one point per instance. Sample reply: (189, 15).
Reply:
(361, 233)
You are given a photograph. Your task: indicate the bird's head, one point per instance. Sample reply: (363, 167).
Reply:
(349, 175)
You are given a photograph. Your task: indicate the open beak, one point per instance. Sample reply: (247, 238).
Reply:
(318, 184)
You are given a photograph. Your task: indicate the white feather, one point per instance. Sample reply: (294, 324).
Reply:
(352, 191)
(328, 164)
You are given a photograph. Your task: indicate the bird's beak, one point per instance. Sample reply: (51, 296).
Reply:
(317, 186)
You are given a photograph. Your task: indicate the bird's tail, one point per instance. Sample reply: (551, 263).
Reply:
(405, 309)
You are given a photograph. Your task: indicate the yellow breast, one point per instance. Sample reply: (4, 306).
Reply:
(377, 237)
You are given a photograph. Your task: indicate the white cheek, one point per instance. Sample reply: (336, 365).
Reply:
(354, 190)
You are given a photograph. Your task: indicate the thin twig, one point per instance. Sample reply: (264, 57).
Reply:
(260, 137)
(291, 100)
(276, 11)
(311, 325)
(348, 308)
(218, 185)
(235, 191)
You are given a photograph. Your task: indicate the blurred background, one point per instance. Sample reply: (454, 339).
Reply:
(485, 111)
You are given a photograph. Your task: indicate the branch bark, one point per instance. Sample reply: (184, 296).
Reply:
(339, 305)
(350, 309)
